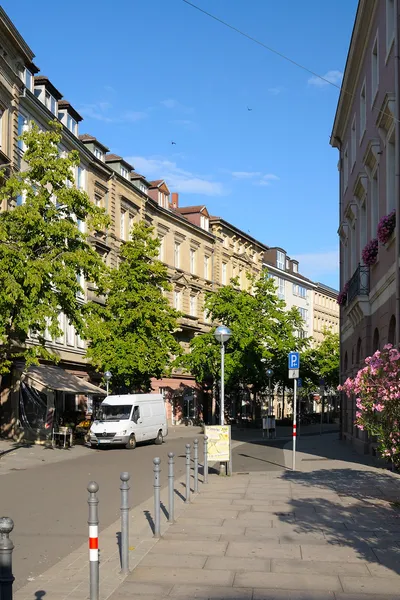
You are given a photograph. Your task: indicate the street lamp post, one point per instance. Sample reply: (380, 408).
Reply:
(107, 377)
(222, 335)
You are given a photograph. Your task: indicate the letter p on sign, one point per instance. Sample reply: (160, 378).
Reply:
(294, 360)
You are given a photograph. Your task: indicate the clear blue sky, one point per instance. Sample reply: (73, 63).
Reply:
(145, 73)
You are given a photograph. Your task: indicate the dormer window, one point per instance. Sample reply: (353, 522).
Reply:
(72, 125)
(28, 79)
(280, 260)
(295, 268)
(204, 223)
(124, 172)
(50, 102)
(98, 153)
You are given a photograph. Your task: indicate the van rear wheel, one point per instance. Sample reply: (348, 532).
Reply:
(131, 445)
(159, 439)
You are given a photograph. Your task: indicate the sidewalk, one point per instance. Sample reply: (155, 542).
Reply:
(328, 531)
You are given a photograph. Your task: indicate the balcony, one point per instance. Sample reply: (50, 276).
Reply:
(359, 283)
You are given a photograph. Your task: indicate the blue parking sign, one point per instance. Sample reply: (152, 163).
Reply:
(294, 360)
(299, 383)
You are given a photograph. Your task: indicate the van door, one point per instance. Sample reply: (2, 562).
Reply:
(136, 420)
(145, 422)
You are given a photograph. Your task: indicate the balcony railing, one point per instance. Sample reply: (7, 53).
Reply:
(359, 283)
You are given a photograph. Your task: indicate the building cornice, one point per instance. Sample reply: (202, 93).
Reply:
(288, 275)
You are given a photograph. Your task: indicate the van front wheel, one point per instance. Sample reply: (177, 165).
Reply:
(159, 439)
(131, 445)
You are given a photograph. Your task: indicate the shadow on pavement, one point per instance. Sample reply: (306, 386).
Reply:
(270, 462)
(149, 518)
(366, 516)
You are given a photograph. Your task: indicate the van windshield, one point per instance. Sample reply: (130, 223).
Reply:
(115, 413)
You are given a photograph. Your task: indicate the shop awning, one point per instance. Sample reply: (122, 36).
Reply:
(54, 378)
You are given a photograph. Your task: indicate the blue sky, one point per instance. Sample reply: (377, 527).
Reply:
(145, 73)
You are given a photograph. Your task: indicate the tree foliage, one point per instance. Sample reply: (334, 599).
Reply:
(322, 361)
(261, 329)
(42, 248)
(132, 335)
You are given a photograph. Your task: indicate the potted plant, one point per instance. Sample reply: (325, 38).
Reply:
(370, 252)
(386, 226)
(342, 296)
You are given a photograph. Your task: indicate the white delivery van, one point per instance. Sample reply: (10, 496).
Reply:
(129, 419)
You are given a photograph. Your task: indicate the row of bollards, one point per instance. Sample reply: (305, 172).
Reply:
(7, 525)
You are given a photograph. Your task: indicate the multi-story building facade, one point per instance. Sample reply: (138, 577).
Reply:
(366, 133)
(292, 287)
(326, 311)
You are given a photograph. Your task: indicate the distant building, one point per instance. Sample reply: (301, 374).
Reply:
(326, 311)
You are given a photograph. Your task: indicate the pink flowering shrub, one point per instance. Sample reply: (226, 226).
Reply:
(386, 227)
(342, 296)
(370, 252)
(377, 390)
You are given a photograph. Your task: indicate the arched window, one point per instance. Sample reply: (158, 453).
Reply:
(375, 341)
(392, 331)
(358, 352)
(346, 362)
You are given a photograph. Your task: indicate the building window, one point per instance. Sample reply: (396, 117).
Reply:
(28, 80)
(206, 267)
(223, 274)
(193, 306)
(161, 248)
(390, 174)
(374, 205)
(299, 290)
(280, 260)
(345, 168)
(124, 172)
(122, 224)
(287, 264)
(390, 23)
(22, 127)
(98, 153)
(303, 312)
(72, 124)
(50, 102)
(295, 268)
(130, 226)
(280, 288)
(177, 255)
(70, 334)
(353, 143)
(177, 300)
(374, 70)
(80, 178)
(81, 282)
(204, 222)
(302, 334)
(363, 111)
(97, 200)
(192, 260)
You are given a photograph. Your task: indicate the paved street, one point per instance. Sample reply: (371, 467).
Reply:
(48, 502)
(259, 456)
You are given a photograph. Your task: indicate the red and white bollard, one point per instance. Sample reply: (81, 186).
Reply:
(93, 523)
(294, 422)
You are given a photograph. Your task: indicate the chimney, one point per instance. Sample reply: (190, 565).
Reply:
(175, 200)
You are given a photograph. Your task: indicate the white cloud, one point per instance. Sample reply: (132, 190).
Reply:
(266, 179)
(334, 77)
(245, 174)
(318, 265)
(100, 111)
(186, 123)
(171, 103)
(275, 91)
(177, 179)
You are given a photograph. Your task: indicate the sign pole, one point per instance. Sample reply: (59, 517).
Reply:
(294, 421)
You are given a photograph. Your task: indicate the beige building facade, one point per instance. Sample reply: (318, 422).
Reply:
(326, 311)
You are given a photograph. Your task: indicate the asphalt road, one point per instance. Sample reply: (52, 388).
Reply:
(259, 456)
(48, 503)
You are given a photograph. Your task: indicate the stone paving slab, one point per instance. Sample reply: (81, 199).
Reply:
(319, 567)
(370, 585)
(178, 575)
(263, 549)
(237, 564)
(262, 594)
(287, 581)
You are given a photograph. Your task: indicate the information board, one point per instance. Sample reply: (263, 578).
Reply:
(219, 442)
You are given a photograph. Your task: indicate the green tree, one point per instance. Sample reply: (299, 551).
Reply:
(42, 249)
(132, 335)
(323, 361)
(261, 329)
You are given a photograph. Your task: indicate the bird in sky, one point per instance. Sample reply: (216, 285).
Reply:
(173, 143)
(249, 108)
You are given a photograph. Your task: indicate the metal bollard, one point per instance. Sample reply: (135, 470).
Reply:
(171, 487)
(187, 473)
(124, 487)
(157, 486)
(196, 465)
(205, 477)
(6, 549)
(93, 523)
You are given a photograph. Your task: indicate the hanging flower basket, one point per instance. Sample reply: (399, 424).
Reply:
(342, 296)
(386, 226)
(370, 252)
